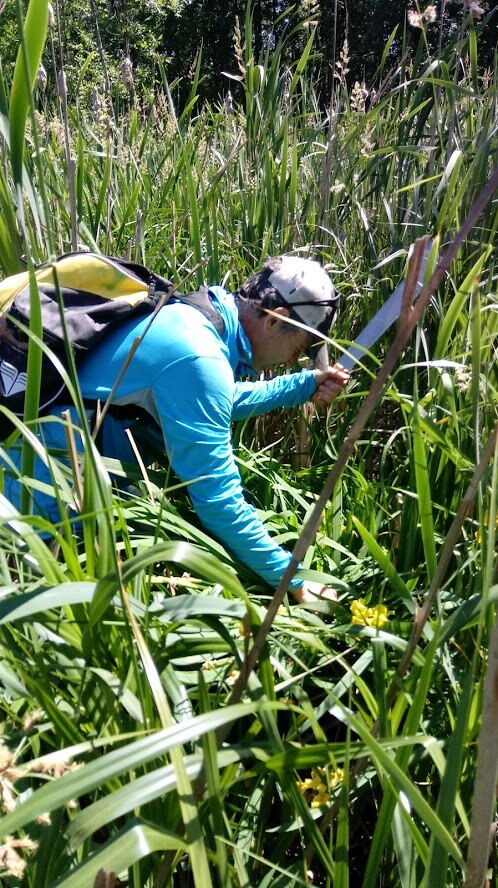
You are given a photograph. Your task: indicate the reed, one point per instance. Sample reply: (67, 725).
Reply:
(121, 641)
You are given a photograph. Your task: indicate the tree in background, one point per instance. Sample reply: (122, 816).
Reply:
(95, 37)
(358, 31)
(90, 39)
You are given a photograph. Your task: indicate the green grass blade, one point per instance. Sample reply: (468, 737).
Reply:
(437, 864)
(121, 761)
(342, 861)
(455, 316)
(190, 556)
(33, 371)
(422, 484)
(28, 59)
(381, 557)
(31, 603)
(135, 841)
(400, 782)
(138, 793)
(188, 807)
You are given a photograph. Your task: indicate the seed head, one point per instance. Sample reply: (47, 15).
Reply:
(95, 103)
(127, 73)
(232, 677)
(31, 720)
(238, 46)
(41, 78)
(61, 85)
(10, 861)
(359, 95)
(8, 775)
(473, 8)
(56, 765)
(417, 19)
(342, 64)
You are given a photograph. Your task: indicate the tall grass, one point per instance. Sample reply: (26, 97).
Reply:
(120, 646)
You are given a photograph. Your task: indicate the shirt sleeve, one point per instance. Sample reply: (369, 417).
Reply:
(195, 409)
(289, 390)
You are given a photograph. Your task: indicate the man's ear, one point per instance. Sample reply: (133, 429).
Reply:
(275, 316)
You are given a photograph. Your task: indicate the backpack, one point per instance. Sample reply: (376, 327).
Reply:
(97, 292)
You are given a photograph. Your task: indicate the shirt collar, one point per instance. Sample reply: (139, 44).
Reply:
(236, 340)
(244, 363)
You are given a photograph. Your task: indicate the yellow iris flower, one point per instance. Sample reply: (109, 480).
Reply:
(376, 616)
(317, 788)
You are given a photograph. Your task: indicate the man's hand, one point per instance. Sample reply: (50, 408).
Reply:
(329, 384)
(311, 592)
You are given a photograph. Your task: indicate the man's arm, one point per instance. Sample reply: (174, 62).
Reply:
(194, 401)
(288, 390)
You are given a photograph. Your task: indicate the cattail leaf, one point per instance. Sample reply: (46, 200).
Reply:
(187, 801)
(33, 373)
(422, 484)
(389, 803)
(103, 193)
(447, 184)
(302, 61)
(401, 782)
(10, 242)
(386, 565)
(451, 87)
(186, 554)
(303, 757)
(282, 184)
(467, 615)
(135, 841)
(455, 315)
(195, 223)
(4, 106)
(27, 62)
(12, 610)
(121, 761)
(474, 69)
(144, 789)
(437, 863)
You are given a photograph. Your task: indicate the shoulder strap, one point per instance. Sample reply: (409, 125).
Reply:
(201, 299)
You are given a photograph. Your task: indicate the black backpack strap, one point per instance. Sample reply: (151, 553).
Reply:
(202, 300)
(157, 284)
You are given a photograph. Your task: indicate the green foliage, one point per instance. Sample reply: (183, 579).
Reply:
(120, 643)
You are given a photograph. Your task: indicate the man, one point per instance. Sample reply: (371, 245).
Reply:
(183, 375)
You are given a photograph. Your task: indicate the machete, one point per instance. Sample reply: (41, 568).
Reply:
(385, 318)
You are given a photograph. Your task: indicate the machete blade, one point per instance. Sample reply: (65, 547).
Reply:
(385, 318)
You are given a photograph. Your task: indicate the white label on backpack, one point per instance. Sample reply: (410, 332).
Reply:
(12, 381)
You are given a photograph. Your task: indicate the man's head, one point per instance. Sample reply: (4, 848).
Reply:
(293, 288)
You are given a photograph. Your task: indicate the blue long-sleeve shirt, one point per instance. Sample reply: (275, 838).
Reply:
(184, 375)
